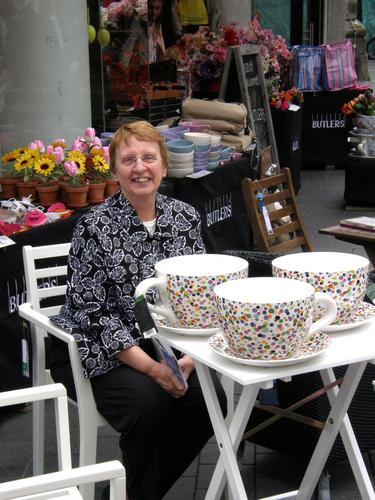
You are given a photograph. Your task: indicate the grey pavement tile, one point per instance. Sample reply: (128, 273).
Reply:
(184, 489)
(204, 475)
(345, 495)
(342, 477)
(247, 453)
(209, 454)
(277, 473)
(192, 470)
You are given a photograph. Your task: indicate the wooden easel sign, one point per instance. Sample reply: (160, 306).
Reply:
(243, 80)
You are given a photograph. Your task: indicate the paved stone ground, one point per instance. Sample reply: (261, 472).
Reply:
(265, 472)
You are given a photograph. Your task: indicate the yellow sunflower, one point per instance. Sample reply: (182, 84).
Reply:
(24, 162)
(10, 156)
(45, 165)
(96, 151)
(100, 165)
(79, 159)
(34, 154)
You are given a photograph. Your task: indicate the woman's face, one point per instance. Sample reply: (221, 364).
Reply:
(139, 169)
(155, 7)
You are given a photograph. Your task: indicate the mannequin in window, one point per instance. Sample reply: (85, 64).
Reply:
(145, 42)
(156, 45)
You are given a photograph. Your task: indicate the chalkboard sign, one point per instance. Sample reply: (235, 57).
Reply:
(243, 80)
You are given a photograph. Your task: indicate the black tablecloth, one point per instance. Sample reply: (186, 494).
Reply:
(359, 182)
(13, 293)
(325, 129)
(217, 197)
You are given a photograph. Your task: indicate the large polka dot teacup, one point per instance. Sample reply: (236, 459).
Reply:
(186, 283)
(343, 276)
(268, 318)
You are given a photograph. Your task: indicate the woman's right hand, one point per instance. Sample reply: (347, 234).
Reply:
(165, 377)
(161, 373)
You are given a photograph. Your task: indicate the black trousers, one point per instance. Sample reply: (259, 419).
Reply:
(159, 435)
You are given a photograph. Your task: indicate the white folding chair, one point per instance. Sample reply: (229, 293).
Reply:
(43, 282)
(62, 484)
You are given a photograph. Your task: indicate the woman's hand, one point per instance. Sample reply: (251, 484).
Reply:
(165, 377)
(187, 365)
(160, 372)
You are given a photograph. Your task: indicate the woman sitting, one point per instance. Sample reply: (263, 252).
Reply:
(162, 425)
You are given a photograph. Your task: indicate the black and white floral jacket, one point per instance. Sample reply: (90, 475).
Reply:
(112, 252)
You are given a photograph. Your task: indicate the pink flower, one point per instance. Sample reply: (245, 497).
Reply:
(284, 105)
(57, 152)
(71, 168)
(78, 145)
(89, 132)
(37, 145)
(105, 150)
(96, 141)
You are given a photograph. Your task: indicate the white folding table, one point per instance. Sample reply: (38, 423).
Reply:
(353, 347)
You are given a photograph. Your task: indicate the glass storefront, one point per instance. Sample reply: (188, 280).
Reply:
(131, 76)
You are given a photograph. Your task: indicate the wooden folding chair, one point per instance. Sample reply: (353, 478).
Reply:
(287, 229)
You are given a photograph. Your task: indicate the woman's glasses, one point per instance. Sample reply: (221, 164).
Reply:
(130, 161)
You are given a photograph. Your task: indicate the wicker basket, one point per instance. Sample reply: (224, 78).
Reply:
(260, 263)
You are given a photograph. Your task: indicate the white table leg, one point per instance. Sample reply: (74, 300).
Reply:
(349, 440)
(328, 435)
(228, 441)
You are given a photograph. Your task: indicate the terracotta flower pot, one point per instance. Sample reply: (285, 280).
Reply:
(96, 192)
(76, 195)
(8, 187)
(25, 189)
(111, 187)
(47, 194)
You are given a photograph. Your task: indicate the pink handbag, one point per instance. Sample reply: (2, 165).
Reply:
(340, 66)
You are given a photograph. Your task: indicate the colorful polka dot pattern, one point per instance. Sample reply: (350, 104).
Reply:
(265, 331)
(346, 288)
(191, 298)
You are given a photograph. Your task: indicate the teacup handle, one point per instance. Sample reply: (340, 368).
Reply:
(160, 283)
(329, 315)
(362, 148)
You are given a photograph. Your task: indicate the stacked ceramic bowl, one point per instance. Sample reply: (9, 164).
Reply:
(226, 153)
(214, 154)
(196, 126)
(202, 146)
(173, 133)
(180, 157)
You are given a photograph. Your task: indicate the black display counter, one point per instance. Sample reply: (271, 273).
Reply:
(217, 197)
(359, 182)
(325, 129)
(13, 293)
(288, 135)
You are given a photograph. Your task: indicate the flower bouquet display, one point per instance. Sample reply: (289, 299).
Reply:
(91, 159)
(40, 169)
(9, 176)
(204, 53)
(283, 99)
(125, 55)
(362, 108)
(48, 170)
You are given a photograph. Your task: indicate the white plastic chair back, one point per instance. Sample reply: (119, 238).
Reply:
(61, 484)
(43, 282)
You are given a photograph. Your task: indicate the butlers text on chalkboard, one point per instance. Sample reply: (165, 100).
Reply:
(243, 80)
